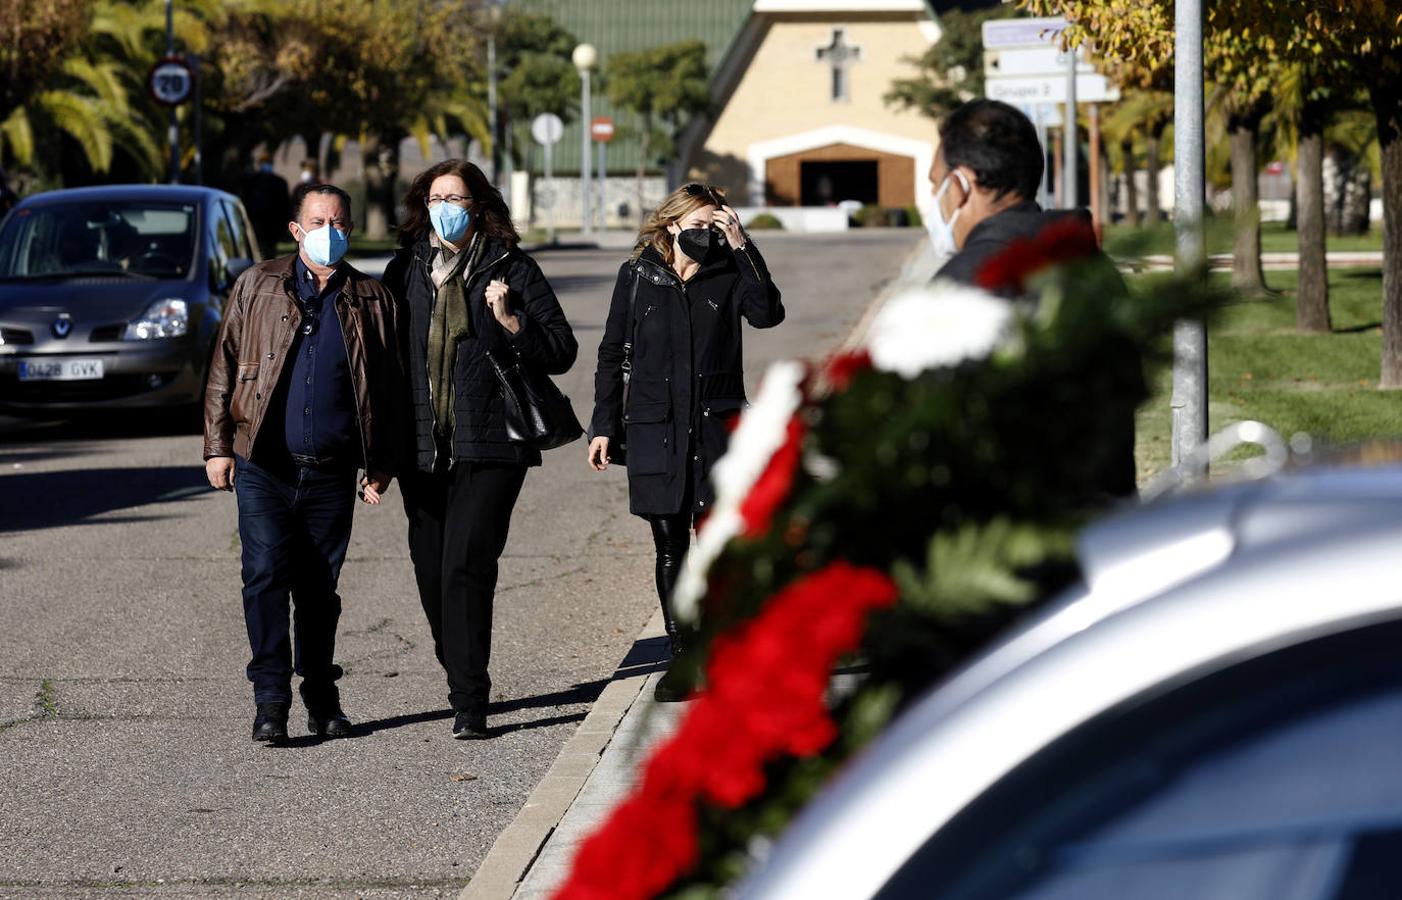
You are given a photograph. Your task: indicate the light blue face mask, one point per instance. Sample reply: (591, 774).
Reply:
(450, 221)
(326, 245)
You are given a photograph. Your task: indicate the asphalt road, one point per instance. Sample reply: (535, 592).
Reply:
(125, 759)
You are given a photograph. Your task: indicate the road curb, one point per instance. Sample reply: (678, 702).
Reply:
(516, 848)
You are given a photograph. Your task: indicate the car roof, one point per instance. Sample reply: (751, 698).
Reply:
(1175, 589)
(178, 193)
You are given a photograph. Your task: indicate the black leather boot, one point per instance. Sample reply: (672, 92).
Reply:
(270, 724)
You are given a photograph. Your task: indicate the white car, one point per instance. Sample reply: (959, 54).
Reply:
(1215, 713)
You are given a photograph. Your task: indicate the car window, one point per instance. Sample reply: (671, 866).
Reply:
(242, 248)
(1276, 779)
(223, 246)
(122, 238)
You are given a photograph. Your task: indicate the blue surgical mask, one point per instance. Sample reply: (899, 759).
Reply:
(325, 245)
(450, 221)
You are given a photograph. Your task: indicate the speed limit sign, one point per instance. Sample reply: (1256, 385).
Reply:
(171, 81)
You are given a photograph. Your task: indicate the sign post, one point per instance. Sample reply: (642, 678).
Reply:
(547, 129)
(602, 131)
(171, 83)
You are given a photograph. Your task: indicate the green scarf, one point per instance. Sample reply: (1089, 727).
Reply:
(449, 324)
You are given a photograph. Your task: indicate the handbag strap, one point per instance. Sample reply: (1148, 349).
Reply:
(632, 328)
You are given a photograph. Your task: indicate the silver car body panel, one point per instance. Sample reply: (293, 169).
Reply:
(1174, 591)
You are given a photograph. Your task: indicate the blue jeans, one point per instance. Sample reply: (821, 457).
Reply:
(294, 527)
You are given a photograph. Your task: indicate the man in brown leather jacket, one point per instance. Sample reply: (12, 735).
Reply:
(304, 389)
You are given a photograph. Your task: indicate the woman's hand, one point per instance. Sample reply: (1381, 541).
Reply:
(497, 293)
(599, 454)
(728, 221)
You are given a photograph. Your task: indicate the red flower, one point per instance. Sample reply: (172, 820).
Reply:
(771, 489)
(765, 699)
(843, 367)
(1065, 240)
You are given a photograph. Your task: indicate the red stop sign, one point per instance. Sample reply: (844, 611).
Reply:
(601, 129)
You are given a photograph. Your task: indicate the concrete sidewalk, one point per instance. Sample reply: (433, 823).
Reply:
(1271, 262)
(594, 771)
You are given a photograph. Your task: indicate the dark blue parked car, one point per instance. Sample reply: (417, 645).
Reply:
(110, 297)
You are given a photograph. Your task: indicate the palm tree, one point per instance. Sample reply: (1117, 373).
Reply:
(1141, 117)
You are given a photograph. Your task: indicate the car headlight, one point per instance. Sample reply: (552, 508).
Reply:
(164, 319)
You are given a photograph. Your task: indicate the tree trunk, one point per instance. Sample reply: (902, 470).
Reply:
(1246, 248)
(1387, 105)
(1312, 300)
(1151, 184)
(1131, 189)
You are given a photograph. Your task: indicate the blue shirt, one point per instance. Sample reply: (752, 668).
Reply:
(320, 418)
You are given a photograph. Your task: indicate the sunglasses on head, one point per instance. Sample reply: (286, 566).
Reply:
(700, 190)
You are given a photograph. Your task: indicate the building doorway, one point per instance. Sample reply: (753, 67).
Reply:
(825, 183)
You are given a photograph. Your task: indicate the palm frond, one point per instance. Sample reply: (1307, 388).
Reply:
(82, 119)
(17, 133)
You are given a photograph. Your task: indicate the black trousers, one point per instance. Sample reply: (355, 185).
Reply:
(294, 527)
(458, 523)
(671, 538)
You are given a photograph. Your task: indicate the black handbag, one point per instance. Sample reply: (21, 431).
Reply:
(618, 446)
(537, 414)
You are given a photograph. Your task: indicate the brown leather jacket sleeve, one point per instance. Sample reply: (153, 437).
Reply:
(223, 370)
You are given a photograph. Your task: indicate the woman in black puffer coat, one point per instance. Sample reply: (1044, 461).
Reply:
(675, 322)
(464, 289)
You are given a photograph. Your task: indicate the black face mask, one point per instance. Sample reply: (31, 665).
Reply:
(697, 243)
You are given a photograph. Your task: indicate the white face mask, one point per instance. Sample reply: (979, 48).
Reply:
(942, 232)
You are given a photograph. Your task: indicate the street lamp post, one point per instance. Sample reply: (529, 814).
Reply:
(1189, 403)
(585, 56)
(494, 14)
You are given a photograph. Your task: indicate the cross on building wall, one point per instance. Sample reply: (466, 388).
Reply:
(839, 55)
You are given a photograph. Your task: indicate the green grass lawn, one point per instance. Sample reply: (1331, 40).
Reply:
(1275, 238)
(1260, 368)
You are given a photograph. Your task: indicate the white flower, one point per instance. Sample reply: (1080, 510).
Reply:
(762, 431)
(941, 325)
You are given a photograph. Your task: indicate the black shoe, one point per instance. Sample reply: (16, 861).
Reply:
(329, 724)
(671, 687)
(470, 726)
(270, 725)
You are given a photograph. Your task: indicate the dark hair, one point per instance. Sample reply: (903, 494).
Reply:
(303, 191)
(489, 213)
(998, 143)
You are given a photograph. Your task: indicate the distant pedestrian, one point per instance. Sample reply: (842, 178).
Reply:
(304, 389)
(466, 289)
(8, 198)
(311, 172)
(266, 199)
(674, 329)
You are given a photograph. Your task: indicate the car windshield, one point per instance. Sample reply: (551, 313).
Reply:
(122, 238)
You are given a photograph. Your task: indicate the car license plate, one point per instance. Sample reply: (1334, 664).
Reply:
(60, 369)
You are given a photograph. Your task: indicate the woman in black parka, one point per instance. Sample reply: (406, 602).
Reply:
(464, 289)
(692, 277)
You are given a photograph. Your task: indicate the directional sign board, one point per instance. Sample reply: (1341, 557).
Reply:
(1000, 33)
(170, 81)
(547, 128)
(1049, 89)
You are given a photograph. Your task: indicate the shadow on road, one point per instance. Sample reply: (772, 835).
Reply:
(37, 500)
(98, 426)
